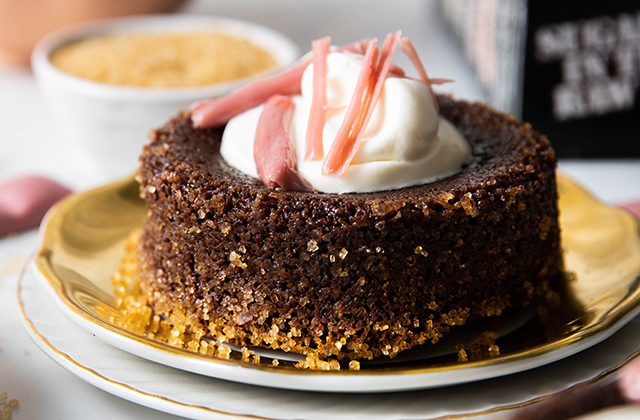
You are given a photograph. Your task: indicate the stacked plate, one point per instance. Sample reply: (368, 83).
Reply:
(67, 298)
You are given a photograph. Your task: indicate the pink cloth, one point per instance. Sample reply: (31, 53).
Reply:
(630, 381)
(24, 202)
(633, 208)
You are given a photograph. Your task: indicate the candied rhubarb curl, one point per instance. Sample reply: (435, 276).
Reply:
(362, 105)
(217, 112)
(377, 65)
(410, 51)
(273, 150)
(357, 47)
(346, 136)
(317, 114)
(388, 49)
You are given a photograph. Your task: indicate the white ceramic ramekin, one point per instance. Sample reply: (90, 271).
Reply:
(112, 122)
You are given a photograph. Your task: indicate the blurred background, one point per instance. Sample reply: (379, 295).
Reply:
(32, 143)
(570, 68)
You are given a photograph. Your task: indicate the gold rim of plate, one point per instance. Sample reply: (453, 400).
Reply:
(84, 236)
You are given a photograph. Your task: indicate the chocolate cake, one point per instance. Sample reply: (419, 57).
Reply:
(348, 276)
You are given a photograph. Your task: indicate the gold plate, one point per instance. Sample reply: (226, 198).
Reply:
(83, 243)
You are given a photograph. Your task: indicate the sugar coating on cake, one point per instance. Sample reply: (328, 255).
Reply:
(348, 276)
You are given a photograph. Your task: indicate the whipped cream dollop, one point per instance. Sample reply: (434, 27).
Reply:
(406, 142)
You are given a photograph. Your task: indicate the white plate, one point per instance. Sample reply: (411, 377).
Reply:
(83, 243)
(186, 394)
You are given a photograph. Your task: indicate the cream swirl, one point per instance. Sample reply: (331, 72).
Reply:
(406, 142)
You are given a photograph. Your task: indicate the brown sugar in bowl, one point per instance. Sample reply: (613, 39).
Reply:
(23, 23)
(111, 122)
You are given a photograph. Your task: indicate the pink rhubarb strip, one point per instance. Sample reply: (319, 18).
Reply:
(349, 136)
(388, 50)
(357, 47)
(317, 114)
(410, 51)
(346, 135)
(273, 150)
(360, 47)
(217, 112)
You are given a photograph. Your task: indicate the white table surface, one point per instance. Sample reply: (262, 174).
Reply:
(29, 144)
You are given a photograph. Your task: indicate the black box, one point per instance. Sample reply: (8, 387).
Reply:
(570, 68)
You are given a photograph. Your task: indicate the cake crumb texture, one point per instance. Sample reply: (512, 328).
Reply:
(353, 276)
